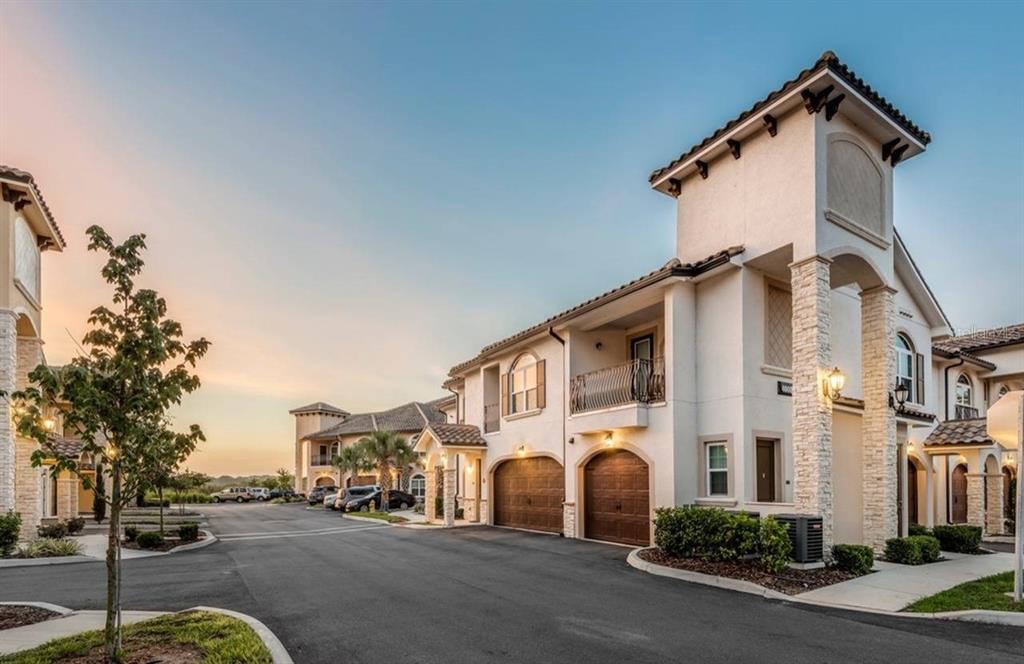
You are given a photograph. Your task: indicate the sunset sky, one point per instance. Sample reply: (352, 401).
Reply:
(346, 198)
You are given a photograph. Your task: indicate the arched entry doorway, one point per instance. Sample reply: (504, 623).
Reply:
(1009, 498)
(958, 495)
(325, 480)
(912, 495)
(617, 506)
(528, 493)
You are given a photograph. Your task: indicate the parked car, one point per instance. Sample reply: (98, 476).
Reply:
(397, 500)
(329, 499)
(316, 496)
(237, 494)
(282, 493)
(260, 493)
(353, 493)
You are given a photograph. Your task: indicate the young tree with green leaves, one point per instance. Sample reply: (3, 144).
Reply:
(115, 396)
(352, 460)
(384, 451)
(285, 480)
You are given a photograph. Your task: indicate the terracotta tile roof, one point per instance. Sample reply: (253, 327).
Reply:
(830, 61)
(457, 434)
(959, 432)
(674, 268)
(318, 407)
(412, 416)
(443, 402)
(983, 340)
(67, 447)
(24, 177)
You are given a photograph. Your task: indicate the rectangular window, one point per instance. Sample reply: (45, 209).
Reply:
(718, 469)
(778, 328)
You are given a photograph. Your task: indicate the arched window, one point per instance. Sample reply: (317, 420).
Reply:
(418, 486)
(964, 398)
(523, 385)
(905, 367)
(26, 258)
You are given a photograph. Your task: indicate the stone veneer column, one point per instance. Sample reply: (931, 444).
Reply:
(976, 499)
(569, 519)
(449, 497)
(430, 494)
(812, 411)
(8, 370)
(67, 496)
(879, 453)
(994, 520)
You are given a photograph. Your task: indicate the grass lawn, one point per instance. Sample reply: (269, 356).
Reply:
(988, 593)
(383, 516)
(194, 636)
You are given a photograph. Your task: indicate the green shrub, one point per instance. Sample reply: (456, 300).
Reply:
(75, 525)
(460, 513)
(439, 505)
(913, 550)
(716, 535)
(55, 530)
(959, 539)
(917, 529)
(130, 533)
(854, 558)
(188, 532)
(149, 539)
(10, 528)
(189, 497)
(50, 547)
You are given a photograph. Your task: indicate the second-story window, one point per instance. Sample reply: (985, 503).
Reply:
(523, 385)
(964, 398)
(905, 367)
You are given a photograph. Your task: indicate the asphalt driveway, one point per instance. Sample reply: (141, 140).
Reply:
(340, 590)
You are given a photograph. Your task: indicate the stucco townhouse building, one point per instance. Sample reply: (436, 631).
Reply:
(323, 430)
(28, 228)
(790, 358)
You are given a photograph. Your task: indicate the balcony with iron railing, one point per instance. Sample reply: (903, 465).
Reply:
(320, 460)
(965, 412)
(492, 418)
(634, 382)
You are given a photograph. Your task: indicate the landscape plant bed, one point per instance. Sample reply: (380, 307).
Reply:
(191, 637)
(169, 543)
(383, 516)
(19, 616)
(790, 581)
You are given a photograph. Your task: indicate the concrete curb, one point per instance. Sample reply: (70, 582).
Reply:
(977, 615)
(38, 562)
(191, 546)
(62, 610)
(270, 640)
(367, 519)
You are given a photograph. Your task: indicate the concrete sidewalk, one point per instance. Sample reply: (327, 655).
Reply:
(30, 636)
(892, 587)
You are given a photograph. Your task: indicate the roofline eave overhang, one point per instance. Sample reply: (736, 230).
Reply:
(39, 210)
(784, 104)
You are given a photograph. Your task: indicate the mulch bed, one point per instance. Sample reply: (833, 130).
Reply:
(790, 581)
(19, 616)
(144, 650)
(169, 543)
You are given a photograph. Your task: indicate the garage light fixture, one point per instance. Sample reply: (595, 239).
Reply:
(609, 440)
(832, 386)
(521, 450)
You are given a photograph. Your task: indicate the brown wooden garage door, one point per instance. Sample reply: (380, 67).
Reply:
(528, 493)
(617, 498)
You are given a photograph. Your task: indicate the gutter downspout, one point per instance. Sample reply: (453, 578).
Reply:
(457, 408)
(565, 497)
(945, 381)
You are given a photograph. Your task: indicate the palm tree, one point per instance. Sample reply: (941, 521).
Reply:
(385, 450)
(351, 460)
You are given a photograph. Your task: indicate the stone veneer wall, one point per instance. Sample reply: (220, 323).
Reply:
(450, 484)
(569, 519)
(67, 496)
(879, 470)
(812, 412)
(994, 519)
(8, 370)
(27, 479)
(975, 499)
(430, 495)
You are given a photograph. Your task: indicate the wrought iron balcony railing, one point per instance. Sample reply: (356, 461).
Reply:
(492, 418)
(966, 412)
(636, 381)
(320, 460)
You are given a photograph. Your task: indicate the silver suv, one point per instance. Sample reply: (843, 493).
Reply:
(236, 493)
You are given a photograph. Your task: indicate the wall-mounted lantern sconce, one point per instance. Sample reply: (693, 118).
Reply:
(899, 397)
(609, 440)
(521, 450)
(49, 424)
(832, 385)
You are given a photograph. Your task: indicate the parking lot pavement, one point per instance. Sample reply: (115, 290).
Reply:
(397, 595)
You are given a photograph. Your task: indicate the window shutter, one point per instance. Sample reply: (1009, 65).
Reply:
(504, 394)
(919, 378)
(541, 391)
